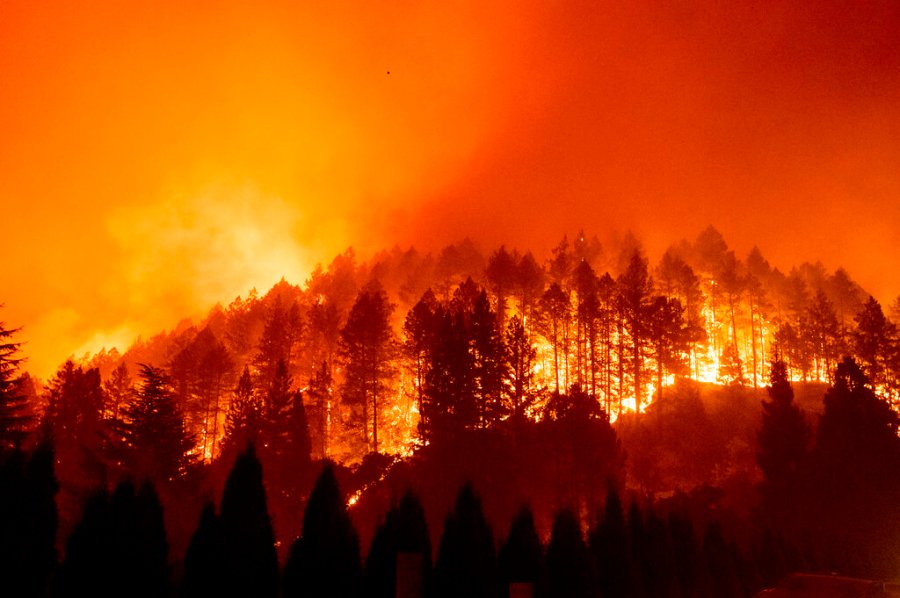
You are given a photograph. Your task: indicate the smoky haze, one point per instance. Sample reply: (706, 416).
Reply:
(156, 160)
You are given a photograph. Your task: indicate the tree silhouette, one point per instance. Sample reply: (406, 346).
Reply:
(611, 549)
(569, 572)
(635, 287)
(466, 563)
(73, 420)
(158, 445)
(420, 330)
(403, 532)
(501, 276)
(204, 575)
(521, 558)
(28, 521)
(368, 347)
(519, 359)
(118, 548)
(855, 462)
(13, 404)
(324, 561)
(783, 445)
(243, 417)
(555, 307)
(489, 366)
(249, 563)
(874, 341)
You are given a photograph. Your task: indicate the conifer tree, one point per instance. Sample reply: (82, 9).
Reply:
(242, 419)
(249, 561)
(403, 532)
(611, 549)
(204, 576)
(519, 356)
(118, 548)
(158, 445)
(783, 445)
(489, 366)
(466, 562)
(521, 558)
(13, 404)
(324, 561)
(569, 573)
(368, 347)
(28, 521)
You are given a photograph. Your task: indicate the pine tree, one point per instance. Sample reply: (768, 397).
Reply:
(249, 561)
(855, 463)
(28, 521)
(403, 534)
(420, 329)
(874, 341)
(203, 561)
(519, 356)
(466, 563)
(243, 417)
(569, 572)
(635, 287)
(521, 559)
(118, 548)
(611, 549)
(783, 444)
(324, 561)
(368, 347)
(501, 275)
(489, 366)
(158, 445)
(13, 404)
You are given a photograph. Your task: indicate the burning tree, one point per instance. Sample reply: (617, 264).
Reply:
(368, 348)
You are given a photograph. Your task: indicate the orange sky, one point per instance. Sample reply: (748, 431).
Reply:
(161, 156)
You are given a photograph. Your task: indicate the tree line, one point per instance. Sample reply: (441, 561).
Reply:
(119, 546)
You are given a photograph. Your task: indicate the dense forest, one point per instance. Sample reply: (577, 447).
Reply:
(694, 427)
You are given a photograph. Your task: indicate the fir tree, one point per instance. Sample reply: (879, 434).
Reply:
(521, 559)
(158, 446)
(783, 445)
(569, 573)
(368, 347)
(13, 404)
(249, 563)
(324, 561)
(466, 563)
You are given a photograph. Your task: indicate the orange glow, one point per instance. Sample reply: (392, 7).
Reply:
(157, 158)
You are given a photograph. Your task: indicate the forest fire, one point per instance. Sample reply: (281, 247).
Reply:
(291, 303)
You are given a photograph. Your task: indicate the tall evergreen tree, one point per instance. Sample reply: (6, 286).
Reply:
(635, 288)
(203, 561)
(249, 561)
(13, 404)
(855, 463)
(783, 445)
(368, 347)
(420, 329)
(874, 341)
(28, 521)
(243, 417)
(611, 549)
(402, 535)
(118, 548)
(501, 276)
(158, 445)
(569, 572)
(466, 562)
(324, 561)
(489, 366)
(519, 356)
(521, 558)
